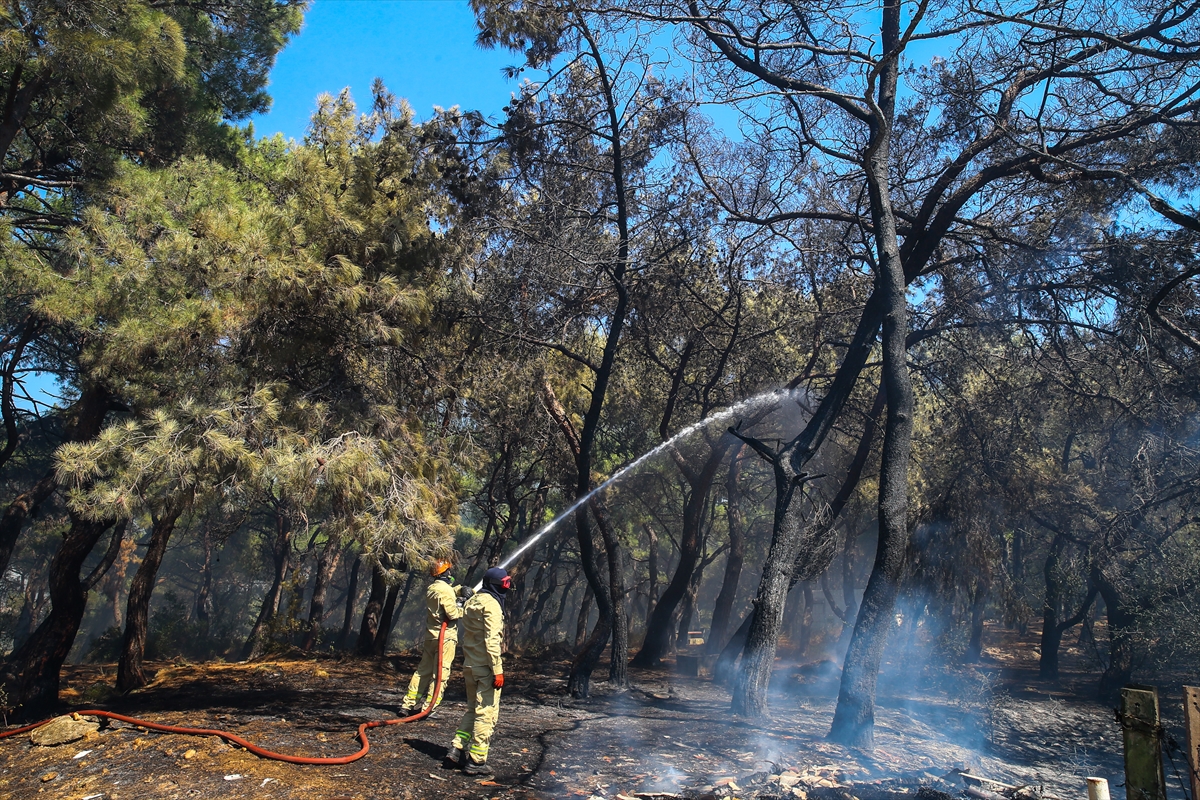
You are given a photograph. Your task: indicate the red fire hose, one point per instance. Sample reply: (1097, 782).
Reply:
(262, 751)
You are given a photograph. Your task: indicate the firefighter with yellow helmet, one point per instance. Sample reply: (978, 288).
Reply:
(441, 604)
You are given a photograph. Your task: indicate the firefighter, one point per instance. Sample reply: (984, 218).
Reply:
(483, 672)
(441, 604)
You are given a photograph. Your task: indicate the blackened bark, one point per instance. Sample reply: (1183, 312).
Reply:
(204, 600)
(614, 551)
(556, 620)
(1121, 629)
(854, 718)
(658, 633)
(749, 693)
(978, 604)
(110, 556)
(327, 564)
(31, 675)
(724, 669)
(372, 614)
(806, 621)
(849, 589)
(404, 595)
(688, 609)
(581, 621)
(723, 607)
(1051, 609)
(807, 554)
(385, 619)
(351, 596)
(579, 684)
(130, 674)
(281, 555)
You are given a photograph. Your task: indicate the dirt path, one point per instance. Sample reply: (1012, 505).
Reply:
(668, 734)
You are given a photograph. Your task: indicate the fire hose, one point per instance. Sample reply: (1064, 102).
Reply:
(262, 752)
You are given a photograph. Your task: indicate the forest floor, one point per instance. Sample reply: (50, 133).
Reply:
(668, 736)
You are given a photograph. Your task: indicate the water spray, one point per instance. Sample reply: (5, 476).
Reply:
(773, 396)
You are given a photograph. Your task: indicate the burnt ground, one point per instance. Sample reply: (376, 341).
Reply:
(669, 736)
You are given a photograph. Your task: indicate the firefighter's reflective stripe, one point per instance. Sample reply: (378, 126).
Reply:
(422, 683)
(482, 630)
(475, 730)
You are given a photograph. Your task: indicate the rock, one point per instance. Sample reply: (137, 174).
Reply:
(62, 730)
(190, 754)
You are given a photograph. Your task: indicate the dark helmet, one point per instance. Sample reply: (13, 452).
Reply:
(497, 580)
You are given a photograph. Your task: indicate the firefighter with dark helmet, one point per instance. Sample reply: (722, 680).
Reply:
(441, 604)
(483, 672)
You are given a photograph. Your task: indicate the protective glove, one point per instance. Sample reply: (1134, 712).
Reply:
(464, 593)
(498, 680)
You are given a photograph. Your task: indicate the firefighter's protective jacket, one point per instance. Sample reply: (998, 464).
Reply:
(441, 603)
(483, 629)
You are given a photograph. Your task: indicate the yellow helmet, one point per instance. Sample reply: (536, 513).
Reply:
(439, 566)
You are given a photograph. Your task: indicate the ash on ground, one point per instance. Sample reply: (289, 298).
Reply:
(667, 737)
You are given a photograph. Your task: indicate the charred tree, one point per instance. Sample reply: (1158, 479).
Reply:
(351, 597)
(204, 599)
(386, 617)
(1053, 627)
(327, 564)
(723, 607)
(1122, 618)
(373, 613)
(31, 675)
(281, 556)
(130, 674)
(658, 633)
(809, 549)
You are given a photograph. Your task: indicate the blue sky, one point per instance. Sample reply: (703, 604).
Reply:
(424, 50)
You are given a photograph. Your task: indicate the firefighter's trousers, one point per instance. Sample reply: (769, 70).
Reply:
(420, 688)
(483, 707)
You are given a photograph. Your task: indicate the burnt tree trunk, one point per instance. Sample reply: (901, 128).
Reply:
(372, 614)
(724, 669)
(688, 610)
(204, 599)
(327, 564)
(281, 555)
(581, 621)
(1121, 623)
(652, 570)
(806, 621)
(130, 674)
(385, 619)
(31, 675)
(404, 595)
(723, 607)
(658, 632)
(978, 605)
(794, 557)
(854, 718)
(1053, 627)
(351, 597)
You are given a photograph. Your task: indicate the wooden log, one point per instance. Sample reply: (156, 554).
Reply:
(1191, 721)
(1144, 778)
